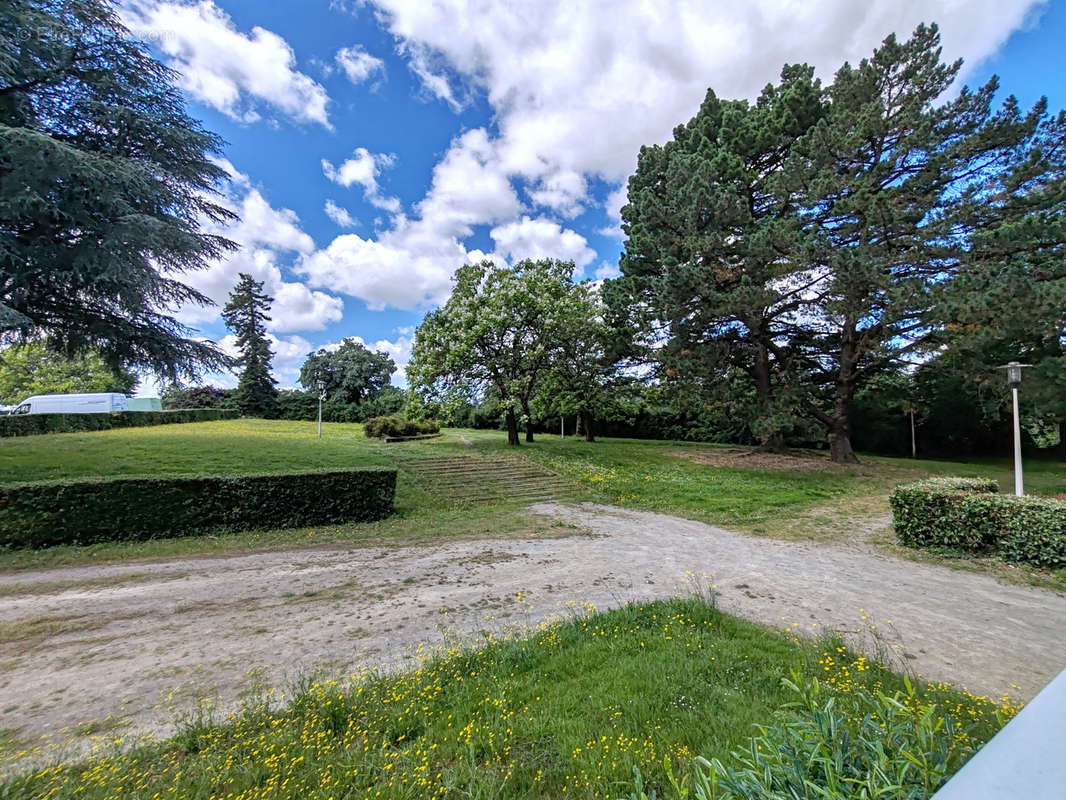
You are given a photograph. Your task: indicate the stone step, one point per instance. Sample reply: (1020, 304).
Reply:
(473, 479)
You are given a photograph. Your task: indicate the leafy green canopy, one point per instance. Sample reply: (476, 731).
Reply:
(104, 183)
(33, 368)
(246, 315)
(585, 378)
(350, 374)
(500, 331)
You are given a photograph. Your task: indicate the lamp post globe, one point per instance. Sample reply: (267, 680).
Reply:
(1014, 373)
(321, 386)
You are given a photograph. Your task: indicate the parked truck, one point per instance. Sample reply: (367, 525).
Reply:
(100, 403)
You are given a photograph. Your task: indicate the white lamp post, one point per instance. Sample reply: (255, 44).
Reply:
(912, 409)
(321, 385)
(1014, 378)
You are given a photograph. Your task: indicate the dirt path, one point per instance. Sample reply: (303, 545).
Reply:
(131, 640)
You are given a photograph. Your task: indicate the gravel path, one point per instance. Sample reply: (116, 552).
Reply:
(134, 639)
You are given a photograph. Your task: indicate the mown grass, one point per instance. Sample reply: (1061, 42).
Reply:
(653, 475)
(246, 445)
(847, 504)
(661, 475)
(567, 710)
(229, 446)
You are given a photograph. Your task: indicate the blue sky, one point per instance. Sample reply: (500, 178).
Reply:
(376, 145)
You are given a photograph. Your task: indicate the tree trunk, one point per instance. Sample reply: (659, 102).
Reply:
(512, 428)
(590, 435)
(774, 442)
(1061, 450)
(577, 425)
(529, 422)
(840, 423)
(840, 447)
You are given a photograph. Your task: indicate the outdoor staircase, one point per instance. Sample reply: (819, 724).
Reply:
(484, 479)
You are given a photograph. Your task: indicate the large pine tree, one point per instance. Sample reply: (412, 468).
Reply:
(899, 193)
(709, 265)
(246, 315)
(104, 183)
(818, 239)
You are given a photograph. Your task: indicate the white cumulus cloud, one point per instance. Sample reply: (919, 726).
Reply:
(265, 235)
(407, 267)
(340, 215)
(581, 86)
(541, 238)
(616, 198)
(469, 187)
(363, 169)
(358, 64)
(234, 72)
(410, 264)
(576, 89)
(432, 74)
(564, 192)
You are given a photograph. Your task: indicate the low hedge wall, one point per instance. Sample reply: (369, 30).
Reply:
(968, 514)
(33, 424)
(86, 511)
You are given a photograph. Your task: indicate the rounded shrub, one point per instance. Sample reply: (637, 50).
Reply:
(967, 514)
(395, 425)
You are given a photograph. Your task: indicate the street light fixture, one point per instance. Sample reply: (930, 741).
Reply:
(321, 386)
(1014, 378)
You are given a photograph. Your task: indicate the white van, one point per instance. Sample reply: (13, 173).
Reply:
(103, 403)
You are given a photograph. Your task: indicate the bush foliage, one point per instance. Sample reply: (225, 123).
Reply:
(32, 424)
(967, 514)
(295, 404)
(147, 507)
(197, 397)
(895, 747)
(395, 425)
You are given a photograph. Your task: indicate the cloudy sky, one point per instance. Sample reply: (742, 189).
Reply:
(376, 145)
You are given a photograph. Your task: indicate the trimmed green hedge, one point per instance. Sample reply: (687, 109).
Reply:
(395, 425)
(33, 424)
(967, 514)
(150, 507)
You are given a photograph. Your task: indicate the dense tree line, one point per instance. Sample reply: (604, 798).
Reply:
(34, 368)
(816, 267)
(351, 382)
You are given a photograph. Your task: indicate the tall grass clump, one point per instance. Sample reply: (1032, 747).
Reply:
(861, 745)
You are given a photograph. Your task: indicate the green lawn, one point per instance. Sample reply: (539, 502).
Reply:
(838, 504)
(566, 711)
(243, 445)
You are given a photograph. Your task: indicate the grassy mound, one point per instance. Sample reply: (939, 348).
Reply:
(568, 710)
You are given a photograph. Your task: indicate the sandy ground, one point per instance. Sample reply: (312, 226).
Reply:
(132, 640)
